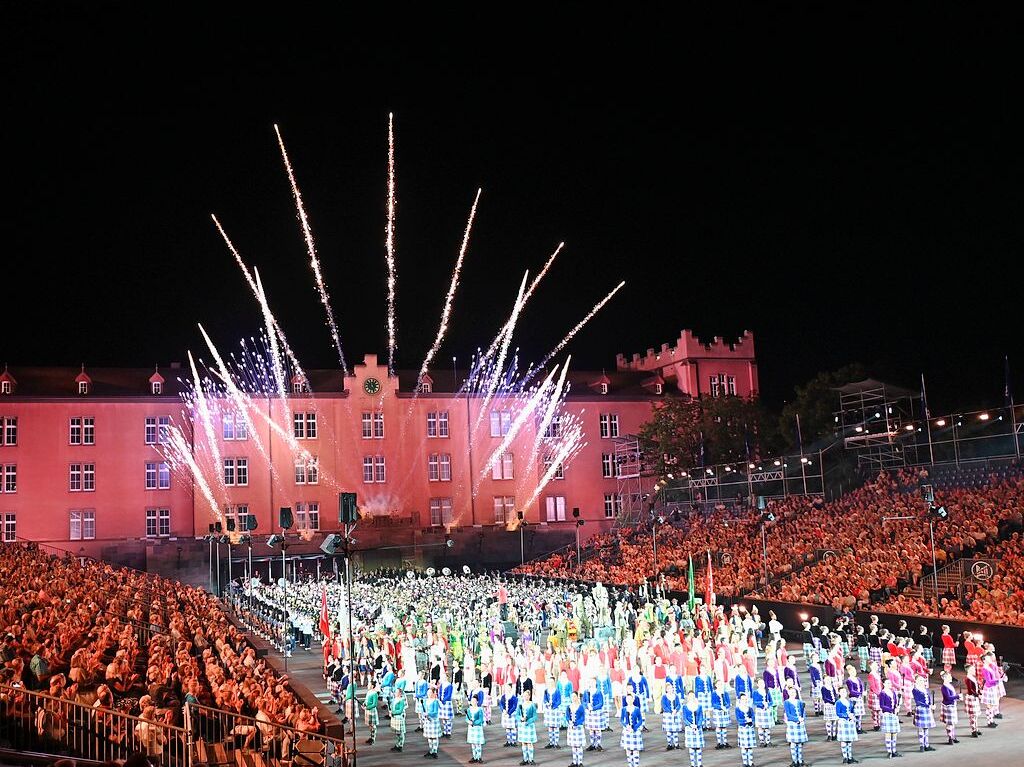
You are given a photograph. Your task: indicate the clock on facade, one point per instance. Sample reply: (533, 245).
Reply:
(371, 386)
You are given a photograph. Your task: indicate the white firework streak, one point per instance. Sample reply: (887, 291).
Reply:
(252, 285)
(499, 364)
(572, 443)
(557, 396)
(389, 245)
(528, 409)
(180, 452)
(204, 411)
(529, 292)
(442, 329)
(579, 326)
(314, 260)
(275, 359)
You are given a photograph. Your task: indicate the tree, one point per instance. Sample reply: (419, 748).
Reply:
(670, 440)
(816, 403)
(735, 429)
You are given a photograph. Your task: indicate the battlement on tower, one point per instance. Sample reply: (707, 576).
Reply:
(689, 347)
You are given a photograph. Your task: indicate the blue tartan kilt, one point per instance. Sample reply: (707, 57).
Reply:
(862, 654)
(890, 723)
(763, 718)
(720, 718)
(694, 737)
(553, 717)
(631, 740)
(431, 728)
(746, 736)
(949, 714)
(420, 707)
(508, 721)
(830, 712)
(808, 651)
(858, 706)
(926, 653)
(475, 735)
(776, 696)
(847, 731)
(796, 732)
(704, 698)
(923, 717)
(575, 737)
(672, 721)
(447, 711)
(527, 733)
(596, 719)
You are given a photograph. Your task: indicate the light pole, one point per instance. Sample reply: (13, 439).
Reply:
(522, 546)
(931, 537)
(579, 524)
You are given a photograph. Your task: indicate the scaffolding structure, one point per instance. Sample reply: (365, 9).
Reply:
(629, 480)
(874, 420)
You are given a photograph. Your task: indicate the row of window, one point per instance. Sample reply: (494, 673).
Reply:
(82, 524)
(723, 385)
(441, 509)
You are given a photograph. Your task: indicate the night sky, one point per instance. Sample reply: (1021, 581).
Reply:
(848, 189)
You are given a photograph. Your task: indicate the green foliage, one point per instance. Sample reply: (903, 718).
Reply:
(816, 402)
(671, 438)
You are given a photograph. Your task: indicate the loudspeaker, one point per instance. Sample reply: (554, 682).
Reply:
(348, 514)
(231, 524)
(251, 522)
(286, 518)
(218, 527)
(330, 544)
(211, 528)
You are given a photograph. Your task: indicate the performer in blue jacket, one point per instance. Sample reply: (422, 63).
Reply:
(693, 724)
(597, 715)
(746, 737)
(763, 719)
(796, 729)
(671, 716)
(575, 719)
(420, 697)
(847, 725)
(631, 718)
(509, 705)
(721, 714)
(431, 723)
(527, 726)
(444, 697)
(475, 733)
(553, 712)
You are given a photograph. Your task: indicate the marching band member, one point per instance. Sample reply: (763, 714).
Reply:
(856, 689)
(632, 740)
(527, 726)
(814, 672)
(420, 696)
(972, 700)
(874, 687)
(763, 719)
(721, 707)
(948, 650)
(829, 697)
(746, 737)
(398, 704)
(596, 715)
(553, 712)
(475, 727)
(860, 641)
(447, 710)
(671, 716)
(888, 703)
(796, 729)
(974, 650)
(509, 705)
(431, 723)
(370, 703)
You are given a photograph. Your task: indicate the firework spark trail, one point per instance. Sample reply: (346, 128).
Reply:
(579, 326)
(314, 260)
(556, 400)
(494, 379)
(252, 285)
(449, 299)
(180, 452)
(572, 443)
(529, 292)
(390, 245)
(275, 357)
(204, 411)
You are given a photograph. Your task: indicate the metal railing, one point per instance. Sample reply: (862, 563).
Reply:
(41, 723)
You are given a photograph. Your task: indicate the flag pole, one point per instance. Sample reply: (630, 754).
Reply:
(1013, 416)
(928, 421)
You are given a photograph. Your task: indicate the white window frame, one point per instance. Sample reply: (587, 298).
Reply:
(367, 425)
(10, 424)
(307, 515)
(163, 431)
(310, 425)
(730, 385)
(300, 471)
(604, 388)
(150, 432)
(88, 477)
(609, 466)
(151, 475)
(157, 387)
(229, 472)
(88, 430)
(163, 473)
(504, 467)
(433, 468)
(10, 534)
(75, 478)
(368, 469)
(242, 514)
(554, 428)
(5, 387)
(75, 430)
(241, 472)
(299, 425)
(504, 509)
(82, 525)
(659, 388)
(446, 467)
(151, 523)
(10, 478)
(555, 508)
(379, 469)
(612, 505)
(559, 472)
(442, 424)
(83, 387)
(441, 512)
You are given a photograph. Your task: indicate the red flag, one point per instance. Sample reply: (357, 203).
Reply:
(709, 597)
(325, 622)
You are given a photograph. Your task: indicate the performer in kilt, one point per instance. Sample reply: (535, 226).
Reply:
(856, 689)
(475, 727)
(847, 730)
(632, 739)
(575, 719)
(432, 723)
(796, 729)
(746, 736)
(874, 645)
(773, 685)
(509, 705)
(398, 704)
(420, 695)
(924, 715)
(874, 687)
(447, 709)
(370, 707)
(974, 649)
(860, 641)
(829, 697)
(948, 650)
(553, 712)
(721, 714)
(991, 676)
(814, 672)
(693, 725)
(763, 719)
(527, 726)
(702, 687)
(949, 714)
(888, 704)
(926, 642)
(597, 715)
(671, 717)
(972, 700)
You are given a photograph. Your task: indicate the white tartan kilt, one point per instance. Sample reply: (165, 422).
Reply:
(431, 728)
(720, 717)
(631, 740)
(575, 737)
(694, 737)
(475, 735)
(890, 723)
(746, 736)
(508, 721)
(763, 718)
(397, 723)
(447, 711)
(858, 706)
(527, 733)
(553, 717)
(972, 705)
(596, 719)
(420, 708)
(847, 732)
(796, 732)
(672, 721)
(862, 654)
(704, 698)
(372, 718)
(923, 717)
(830, 712)
(990, 696)
(948, 656)
(949, 714)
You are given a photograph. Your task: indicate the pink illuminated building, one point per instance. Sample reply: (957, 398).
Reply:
(83, 453)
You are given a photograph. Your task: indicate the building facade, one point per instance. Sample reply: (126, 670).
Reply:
(88, 457)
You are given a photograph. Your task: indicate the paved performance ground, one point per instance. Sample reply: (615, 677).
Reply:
(1000, 747)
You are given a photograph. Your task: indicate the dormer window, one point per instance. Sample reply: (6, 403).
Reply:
(5, 387)
(300, 386)
(425, 387)
(604, 388)
(158, 388)
(659, 388)
(83, 387)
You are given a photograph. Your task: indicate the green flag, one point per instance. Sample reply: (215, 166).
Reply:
(691, 589)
